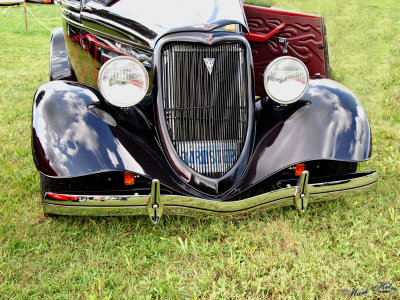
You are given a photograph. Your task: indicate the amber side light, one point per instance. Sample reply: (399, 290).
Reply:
(129, 178)
(231, 27)
(299, 169)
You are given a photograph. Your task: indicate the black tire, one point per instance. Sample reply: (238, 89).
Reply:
(341, 167)
(331, 168)
(46, 185)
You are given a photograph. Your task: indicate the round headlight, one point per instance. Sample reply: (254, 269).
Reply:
(123, 81)
(286, 79)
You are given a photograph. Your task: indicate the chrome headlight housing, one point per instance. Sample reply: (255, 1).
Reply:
(286, 79)
(123, 81)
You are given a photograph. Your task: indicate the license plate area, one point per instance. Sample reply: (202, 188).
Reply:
(209, 157)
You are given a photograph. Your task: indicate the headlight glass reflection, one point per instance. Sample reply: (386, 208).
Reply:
(123, 81)
(286, 80)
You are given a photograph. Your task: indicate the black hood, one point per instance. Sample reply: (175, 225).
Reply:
(149, 20)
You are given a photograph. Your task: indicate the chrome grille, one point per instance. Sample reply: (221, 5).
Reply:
(206, 114)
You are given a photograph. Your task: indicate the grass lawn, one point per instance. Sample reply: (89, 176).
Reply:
(338, 245)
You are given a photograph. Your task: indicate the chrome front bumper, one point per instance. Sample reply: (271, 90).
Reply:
(155, 204)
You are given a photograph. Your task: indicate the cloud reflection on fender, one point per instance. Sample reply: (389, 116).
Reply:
(333, 126)
(75, 140)
(347, 133)
(338, 119)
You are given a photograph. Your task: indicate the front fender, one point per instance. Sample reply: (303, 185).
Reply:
(60, 65)
(74, 134)
(328, 123)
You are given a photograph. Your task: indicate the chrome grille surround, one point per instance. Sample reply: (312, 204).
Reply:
(206, 106)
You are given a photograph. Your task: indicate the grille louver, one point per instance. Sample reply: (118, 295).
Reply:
(206, 114)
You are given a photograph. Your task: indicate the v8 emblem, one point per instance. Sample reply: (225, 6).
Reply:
(210, 64)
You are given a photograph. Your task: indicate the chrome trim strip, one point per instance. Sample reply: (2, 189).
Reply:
(137, 205)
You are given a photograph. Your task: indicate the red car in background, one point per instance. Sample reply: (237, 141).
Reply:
(41, 1)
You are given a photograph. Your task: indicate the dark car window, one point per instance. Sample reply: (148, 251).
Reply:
(72, 4)
(104, 2)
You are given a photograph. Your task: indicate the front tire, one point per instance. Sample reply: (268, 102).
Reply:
(331, 168)
(46, 185)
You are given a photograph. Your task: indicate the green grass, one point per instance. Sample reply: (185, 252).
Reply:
(335, 246)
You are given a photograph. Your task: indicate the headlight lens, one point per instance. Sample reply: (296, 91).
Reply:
(123, 81)
(286, 79)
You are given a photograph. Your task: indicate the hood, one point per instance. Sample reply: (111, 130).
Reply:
(149, 20)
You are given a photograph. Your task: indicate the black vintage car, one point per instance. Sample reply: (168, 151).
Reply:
(185, 106)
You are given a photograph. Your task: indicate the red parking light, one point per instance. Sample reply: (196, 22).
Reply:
(299, 169)
(62, 197)
(129, 178)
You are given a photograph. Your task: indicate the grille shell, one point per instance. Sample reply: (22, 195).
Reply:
(206, 113)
